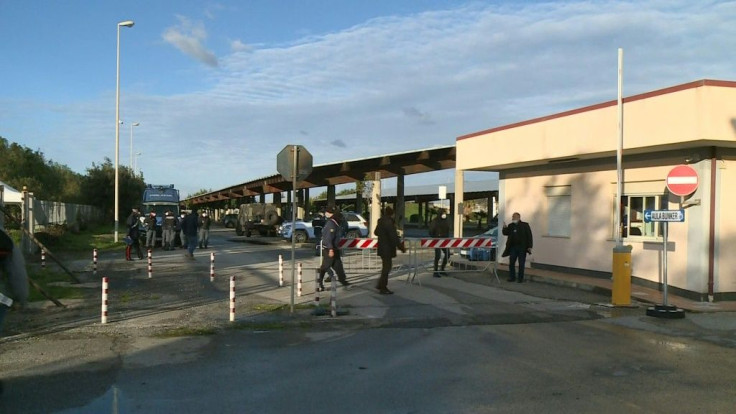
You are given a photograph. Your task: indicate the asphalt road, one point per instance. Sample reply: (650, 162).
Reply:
(456, 344)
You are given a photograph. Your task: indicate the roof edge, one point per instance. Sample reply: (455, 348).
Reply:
(645, 95)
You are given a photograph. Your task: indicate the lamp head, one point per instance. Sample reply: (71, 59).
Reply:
(127, 23)
(136, 123)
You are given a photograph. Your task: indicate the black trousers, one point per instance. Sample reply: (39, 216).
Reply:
(334, 262)
(445, 254)
(386, 264)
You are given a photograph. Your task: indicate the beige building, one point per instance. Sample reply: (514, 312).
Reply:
(559, 172)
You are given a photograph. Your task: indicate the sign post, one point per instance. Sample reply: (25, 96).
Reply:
(294, 163)
(681, 181)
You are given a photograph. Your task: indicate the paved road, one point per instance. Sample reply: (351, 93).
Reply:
(457, 344)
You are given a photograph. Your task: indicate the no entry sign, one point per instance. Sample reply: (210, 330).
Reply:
(682, 180)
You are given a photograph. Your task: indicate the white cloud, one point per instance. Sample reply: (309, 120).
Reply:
(400, 83)
(237, 45)
(189, 37)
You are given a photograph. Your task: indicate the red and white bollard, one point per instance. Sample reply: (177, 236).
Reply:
(281, 271)
(104, 300)
(150, 264)
(232, 298)
(212, 267)
(299, 279)
(94, 262)
(43, 258)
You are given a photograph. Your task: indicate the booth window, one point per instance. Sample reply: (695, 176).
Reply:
(632, 216)
(559, 210)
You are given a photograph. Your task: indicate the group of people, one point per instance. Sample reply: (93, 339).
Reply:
(519, 244)
(193, 230)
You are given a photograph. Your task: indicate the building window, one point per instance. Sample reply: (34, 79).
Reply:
(632, 216)
(559, 210)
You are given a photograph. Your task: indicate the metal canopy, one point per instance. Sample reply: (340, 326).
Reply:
(343, 172)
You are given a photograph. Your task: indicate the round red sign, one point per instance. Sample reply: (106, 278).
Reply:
(682, 180)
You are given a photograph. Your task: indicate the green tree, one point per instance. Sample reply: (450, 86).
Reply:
(98, 188)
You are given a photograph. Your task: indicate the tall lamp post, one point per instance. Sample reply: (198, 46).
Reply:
(135, 163)
(130, 160)
(126, 23)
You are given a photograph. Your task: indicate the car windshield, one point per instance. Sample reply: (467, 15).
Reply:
(491, 233)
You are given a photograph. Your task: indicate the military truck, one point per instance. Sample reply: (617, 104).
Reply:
(262, 218)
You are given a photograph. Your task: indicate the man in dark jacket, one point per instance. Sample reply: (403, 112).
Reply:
(204, 230)
(150, 223)
(134, 235)
(518, 244)
(331, 236)
(388, 242)
(439, 227)
(189, 230)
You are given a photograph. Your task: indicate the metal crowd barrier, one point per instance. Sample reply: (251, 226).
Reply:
(422, 251)
(360, 256)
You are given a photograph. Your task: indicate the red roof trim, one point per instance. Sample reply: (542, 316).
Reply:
(677, 88)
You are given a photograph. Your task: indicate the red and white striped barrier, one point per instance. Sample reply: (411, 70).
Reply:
(299, 279)
(232, 298)
(358, 243)
(447, 243)
(103, 319)
(212, 267)
(150, 264)
(281, 271)
(43, 258)
(94, 262)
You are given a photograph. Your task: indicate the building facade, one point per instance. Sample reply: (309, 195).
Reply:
(560, 173)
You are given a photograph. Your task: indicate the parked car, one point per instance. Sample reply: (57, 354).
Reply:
(304, 231)
(229, 220)
(356, 226)
(482, 253)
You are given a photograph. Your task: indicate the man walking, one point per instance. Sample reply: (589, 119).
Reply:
(388, 242)
(331, 236)
(168, 228)
(518, 244)
(439, 227)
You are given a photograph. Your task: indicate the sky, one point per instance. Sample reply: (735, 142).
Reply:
(219, 88)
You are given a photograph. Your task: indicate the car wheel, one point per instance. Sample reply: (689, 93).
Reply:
(300, 236)
(352, 234)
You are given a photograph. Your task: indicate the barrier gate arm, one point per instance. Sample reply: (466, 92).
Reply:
(449, 243)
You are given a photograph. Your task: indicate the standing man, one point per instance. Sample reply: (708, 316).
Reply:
(388, 242)
(519, 243)
(12, 271)
(179, 229)
(439, 227)
(331, 236)
(167, 231)
(150, 223)
(134, 234)
(189, 230)
(204, 230)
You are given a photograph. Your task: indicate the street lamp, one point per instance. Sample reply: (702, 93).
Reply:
(130, 160)
(126, 23)
(135, 162)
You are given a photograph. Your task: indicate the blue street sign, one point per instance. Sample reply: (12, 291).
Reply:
(664, 215)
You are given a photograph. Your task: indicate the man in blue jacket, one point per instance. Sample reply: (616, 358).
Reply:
(331, 236)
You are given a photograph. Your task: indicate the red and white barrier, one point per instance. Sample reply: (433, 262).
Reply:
(150, 264)
(94, 262)
(43, 258)
(232, 298)
(104, 300)
(358, 243)
(281, 271)
(299, 279)
(449, 243)
(212, 267)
